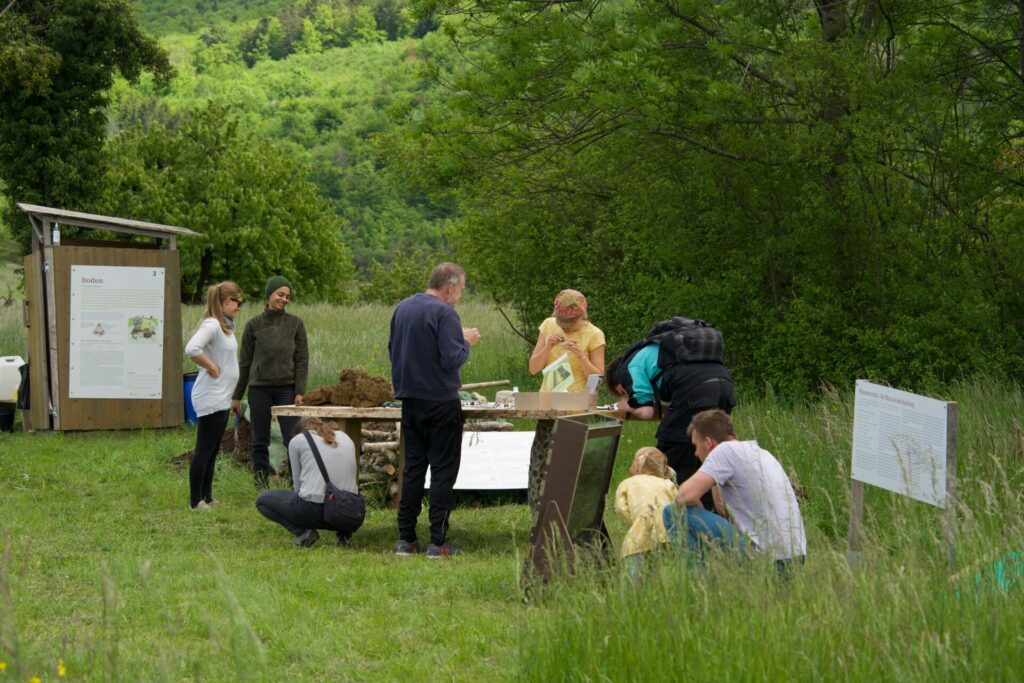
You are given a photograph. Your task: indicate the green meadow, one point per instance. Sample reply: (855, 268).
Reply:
(106, 575)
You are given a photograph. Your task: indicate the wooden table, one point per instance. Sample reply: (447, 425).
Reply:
(351, 420)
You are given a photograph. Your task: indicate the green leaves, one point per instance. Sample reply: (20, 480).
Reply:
(257, 213)
(57, 61)
(795, 172)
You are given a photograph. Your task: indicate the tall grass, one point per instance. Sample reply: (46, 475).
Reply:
(895, 617)
(357, 336)
(104, 570)
(897, 614)
(13, 338)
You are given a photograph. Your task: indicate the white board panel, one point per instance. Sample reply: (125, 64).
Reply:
(494, 461)
(116, 332)
(899, 442)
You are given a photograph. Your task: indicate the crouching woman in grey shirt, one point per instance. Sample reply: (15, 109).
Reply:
(301, 511)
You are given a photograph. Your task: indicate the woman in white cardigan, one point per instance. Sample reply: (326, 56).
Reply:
(214, 349)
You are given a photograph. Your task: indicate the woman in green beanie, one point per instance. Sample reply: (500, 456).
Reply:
(273, 365)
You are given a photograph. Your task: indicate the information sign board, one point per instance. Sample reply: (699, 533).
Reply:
(116, 332)
(493, 461)
(900, 442)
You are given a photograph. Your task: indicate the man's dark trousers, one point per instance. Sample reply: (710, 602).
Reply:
(433, 436)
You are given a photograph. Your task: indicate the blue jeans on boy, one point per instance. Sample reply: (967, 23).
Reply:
(700, 528)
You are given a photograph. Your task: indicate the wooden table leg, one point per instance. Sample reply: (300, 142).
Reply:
(540, 458)
(353, 426)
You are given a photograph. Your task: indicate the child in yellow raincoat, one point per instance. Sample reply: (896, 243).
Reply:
(639, 500)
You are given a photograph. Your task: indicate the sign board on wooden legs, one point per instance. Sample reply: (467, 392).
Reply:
(906, 444)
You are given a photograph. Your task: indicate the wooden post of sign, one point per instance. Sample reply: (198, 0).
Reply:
(949, 514)
(38, 414)
(50, 295)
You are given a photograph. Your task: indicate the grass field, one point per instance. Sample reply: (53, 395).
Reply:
(10, 282)
(106, 573)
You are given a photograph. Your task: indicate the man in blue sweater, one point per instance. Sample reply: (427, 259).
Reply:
(428, 346)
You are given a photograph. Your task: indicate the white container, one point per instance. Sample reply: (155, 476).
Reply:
(10, 378)
(554, 400)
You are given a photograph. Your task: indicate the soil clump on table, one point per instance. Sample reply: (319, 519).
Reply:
(355, 387)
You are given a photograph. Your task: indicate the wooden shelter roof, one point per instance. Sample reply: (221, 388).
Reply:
(98, 222)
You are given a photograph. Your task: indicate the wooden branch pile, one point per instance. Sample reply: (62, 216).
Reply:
(378, 462)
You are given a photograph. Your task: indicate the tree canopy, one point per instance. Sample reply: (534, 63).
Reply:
(324, 102)
(256, 210)
(835, 184)
(58, 59)
(329, 108)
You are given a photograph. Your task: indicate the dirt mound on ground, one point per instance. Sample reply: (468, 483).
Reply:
(239, 452)
(355, 387)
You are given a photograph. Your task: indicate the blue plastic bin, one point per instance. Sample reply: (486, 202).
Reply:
(189, 382)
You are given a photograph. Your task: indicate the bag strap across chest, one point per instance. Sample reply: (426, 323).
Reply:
(320, 461)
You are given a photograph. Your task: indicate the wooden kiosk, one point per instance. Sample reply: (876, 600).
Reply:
(104, 324)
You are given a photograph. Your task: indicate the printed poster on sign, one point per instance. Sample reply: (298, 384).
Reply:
(117, 336)
(899, 442)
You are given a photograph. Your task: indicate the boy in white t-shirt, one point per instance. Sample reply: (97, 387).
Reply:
(754, 486)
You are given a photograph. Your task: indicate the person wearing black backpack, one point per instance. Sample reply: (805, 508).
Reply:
(674, 372)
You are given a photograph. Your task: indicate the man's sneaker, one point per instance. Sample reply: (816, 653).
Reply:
(342, 538)
(444, 550)
(306, 538)
(407, 548)
(201, 505)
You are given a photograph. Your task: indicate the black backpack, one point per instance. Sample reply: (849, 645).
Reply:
(682, 340)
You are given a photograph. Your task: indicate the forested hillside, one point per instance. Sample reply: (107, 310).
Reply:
(319, 79)
(300, 89)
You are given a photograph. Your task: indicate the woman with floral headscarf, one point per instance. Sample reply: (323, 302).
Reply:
(569, 331)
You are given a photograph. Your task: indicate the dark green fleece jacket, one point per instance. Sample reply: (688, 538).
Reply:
(274, 353)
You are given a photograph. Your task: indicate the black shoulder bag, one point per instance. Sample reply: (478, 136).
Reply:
(343, 510)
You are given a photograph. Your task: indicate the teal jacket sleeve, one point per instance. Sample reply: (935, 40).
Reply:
(642, 368)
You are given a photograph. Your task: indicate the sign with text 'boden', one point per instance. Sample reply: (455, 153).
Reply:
(116, 332)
